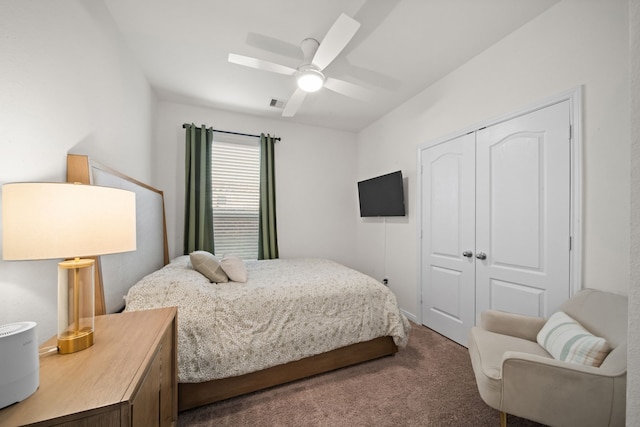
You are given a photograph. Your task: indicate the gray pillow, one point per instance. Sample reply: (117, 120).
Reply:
(234, 268)
(208, 265)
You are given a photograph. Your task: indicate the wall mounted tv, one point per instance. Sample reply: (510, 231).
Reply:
(382, 196)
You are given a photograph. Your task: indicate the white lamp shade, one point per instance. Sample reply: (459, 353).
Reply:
(61, 220)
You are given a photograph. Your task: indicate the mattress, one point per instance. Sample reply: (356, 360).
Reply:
(287, 310)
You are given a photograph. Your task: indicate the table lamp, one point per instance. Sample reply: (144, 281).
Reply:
(62, 220)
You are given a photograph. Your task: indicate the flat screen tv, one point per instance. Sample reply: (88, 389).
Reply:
(382, 195)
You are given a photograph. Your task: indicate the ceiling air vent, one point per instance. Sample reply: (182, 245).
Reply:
(277, 103)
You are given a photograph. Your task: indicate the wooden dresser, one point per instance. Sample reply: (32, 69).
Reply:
(127, 378)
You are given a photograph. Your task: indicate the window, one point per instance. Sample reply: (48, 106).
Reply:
(235, 175)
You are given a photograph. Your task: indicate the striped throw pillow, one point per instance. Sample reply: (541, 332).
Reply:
(565, 339)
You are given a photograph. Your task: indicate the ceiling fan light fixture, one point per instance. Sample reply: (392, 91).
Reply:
(310, 79)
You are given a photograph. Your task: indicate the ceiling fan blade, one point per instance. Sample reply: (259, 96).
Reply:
(261, 65)
(336, 39)
(274, 45)
(294, 103)
(348, 89)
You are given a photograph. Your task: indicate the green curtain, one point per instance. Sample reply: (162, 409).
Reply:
(268, 236)
(198, 212)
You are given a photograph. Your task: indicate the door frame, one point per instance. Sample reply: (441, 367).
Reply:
(574, 96)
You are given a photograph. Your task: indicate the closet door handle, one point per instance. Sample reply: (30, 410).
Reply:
(481, 255)
(468, 254)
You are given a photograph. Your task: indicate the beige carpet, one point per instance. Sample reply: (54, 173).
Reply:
(429, 383)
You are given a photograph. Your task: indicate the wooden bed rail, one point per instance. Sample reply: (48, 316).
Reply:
(191, 395)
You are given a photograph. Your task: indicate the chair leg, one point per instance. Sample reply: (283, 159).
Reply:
(503, 419)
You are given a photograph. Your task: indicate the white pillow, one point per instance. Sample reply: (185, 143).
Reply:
(565, 339)
(234, 268)
(208, 265)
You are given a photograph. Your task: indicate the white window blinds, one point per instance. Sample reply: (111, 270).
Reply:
(235, 174)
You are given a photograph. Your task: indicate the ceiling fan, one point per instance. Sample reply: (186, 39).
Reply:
(317, 56)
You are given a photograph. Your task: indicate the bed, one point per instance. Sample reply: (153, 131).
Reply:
(291, 318)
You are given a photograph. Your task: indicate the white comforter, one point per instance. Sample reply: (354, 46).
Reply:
(288, 309)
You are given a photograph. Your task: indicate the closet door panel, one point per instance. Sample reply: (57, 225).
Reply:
(521, 298)
(523, 213)
(448, 212)
(516, 221)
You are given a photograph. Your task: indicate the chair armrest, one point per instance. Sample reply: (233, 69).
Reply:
(554, 392)
(554, 365)
(515, 325)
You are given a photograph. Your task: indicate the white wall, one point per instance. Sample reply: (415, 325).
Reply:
(633, 383)
(576, 42)
(315, 179)
(68, 84)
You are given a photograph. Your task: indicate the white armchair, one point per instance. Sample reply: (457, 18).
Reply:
(516, 375)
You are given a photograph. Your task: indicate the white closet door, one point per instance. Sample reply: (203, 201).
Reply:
(448, 227)
(523, 213)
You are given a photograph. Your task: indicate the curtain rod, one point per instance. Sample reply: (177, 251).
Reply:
(231, 133)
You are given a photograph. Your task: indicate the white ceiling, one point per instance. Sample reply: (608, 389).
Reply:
(401, 48)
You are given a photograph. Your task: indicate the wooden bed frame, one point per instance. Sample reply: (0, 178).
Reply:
(190, 395)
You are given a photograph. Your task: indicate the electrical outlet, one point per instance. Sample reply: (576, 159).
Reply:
(385, 281)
